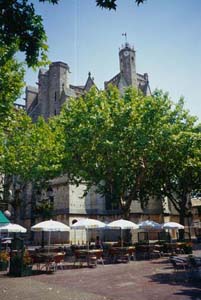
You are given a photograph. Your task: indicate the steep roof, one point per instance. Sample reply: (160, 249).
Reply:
(89, 83)
(142, 82)
(80, 89)
(114, 80)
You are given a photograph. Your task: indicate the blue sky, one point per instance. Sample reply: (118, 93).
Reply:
(166, 35)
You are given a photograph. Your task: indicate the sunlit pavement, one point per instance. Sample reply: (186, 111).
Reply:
(150, 279)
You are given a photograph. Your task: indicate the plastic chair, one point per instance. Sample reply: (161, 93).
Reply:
(180, 265)
(99, 256)
(58, 261)
(80, 257)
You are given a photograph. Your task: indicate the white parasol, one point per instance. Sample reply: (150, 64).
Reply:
(172, 225)
(50, 226)
(12, 228)
(122, 224)
(88, 224)
(148, 224)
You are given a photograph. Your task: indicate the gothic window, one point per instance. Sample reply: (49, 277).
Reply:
(55, 112)
(132, 58)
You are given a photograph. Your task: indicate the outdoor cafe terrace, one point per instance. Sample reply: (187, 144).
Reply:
(149, 278)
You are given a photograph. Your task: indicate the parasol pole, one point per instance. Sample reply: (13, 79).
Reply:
(49, 241)
(74, 237)
(87, 239)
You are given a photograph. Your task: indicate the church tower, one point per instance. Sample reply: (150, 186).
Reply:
(57, 81)
(127, 65)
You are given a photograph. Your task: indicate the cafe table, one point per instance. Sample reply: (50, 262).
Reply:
(90, 256)
(46, 260)
(122, 254)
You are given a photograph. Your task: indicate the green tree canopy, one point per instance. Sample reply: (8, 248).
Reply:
(178, 171)
(22, 27)
(110, 140)
(32, 151)
(131, 146)
(11, 81)
(112, 4)
(29, 152)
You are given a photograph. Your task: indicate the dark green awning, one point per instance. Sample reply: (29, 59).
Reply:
(3, 219)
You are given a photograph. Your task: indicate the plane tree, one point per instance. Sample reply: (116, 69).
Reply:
(21, 27)
(29, 153)
(111, 141)
(177, 172)
(131, 146)
(11, 81)
(112, 4)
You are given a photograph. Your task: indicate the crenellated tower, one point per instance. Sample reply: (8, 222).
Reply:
(127, 64)
(57, 81)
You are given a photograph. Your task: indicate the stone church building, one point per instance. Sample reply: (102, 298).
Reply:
(53, 89)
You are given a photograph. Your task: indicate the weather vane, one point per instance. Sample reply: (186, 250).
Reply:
(125, 34)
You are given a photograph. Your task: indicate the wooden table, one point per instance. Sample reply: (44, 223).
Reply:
(90, 256)
(46, 260)
(122, 254)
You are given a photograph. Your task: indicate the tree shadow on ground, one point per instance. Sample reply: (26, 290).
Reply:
(192, 287)
(193, 294)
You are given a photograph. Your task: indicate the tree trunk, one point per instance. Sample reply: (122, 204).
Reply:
(126, 214)
(6, 191)
(182, 217)
(125, 208)
(182, 221)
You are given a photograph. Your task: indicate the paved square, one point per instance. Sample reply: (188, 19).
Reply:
(150, 279)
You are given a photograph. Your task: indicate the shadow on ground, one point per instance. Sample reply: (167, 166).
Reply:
(191, 286)
(194, 294)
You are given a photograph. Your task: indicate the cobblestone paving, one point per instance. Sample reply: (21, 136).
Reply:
(137, 280)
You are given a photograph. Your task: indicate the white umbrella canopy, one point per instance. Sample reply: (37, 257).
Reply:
(148, 224)
(50, 225)
(122, 224)
(172, 225)
(15, 228)
(88, 224)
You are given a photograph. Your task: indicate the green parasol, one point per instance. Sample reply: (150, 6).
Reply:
(3, 219)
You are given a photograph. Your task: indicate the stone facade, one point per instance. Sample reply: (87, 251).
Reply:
(128, 75)
(53, 90)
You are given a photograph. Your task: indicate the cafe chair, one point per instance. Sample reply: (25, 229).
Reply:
(92, 260)
(79, 257)
(180, 265)
(99, 256)
(155, 252)
(194, 267)
(59, 261)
